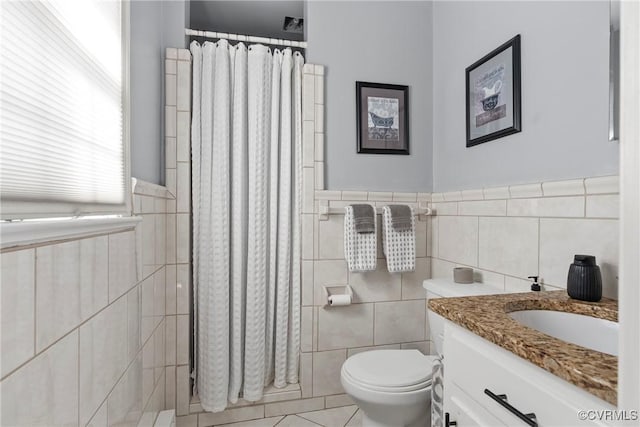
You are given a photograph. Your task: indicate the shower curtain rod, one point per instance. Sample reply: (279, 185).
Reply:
(245, 38)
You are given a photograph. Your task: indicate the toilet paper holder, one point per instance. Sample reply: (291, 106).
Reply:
(338, 291)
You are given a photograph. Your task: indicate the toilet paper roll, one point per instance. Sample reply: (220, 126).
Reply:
(463, 275)
(337, 300)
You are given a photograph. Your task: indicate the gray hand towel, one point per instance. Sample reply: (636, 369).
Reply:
(400, 217)
(364, 217)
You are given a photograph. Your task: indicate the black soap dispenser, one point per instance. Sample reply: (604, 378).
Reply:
(535, 286)
(584, 281)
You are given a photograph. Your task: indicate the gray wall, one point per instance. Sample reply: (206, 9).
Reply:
(155, 25)
(383, 42)
(564, 92)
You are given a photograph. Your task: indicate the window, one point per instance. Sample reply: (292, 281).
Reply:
(63, 108)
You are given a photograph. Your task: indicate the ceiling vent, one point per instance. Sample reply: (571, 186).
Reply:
(293, 25)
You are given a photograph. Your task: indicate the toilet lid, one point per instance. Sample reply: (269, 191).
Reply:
(390, 368)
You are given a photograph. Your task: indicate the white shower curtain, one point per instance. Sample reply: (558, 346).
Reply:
(246, 142)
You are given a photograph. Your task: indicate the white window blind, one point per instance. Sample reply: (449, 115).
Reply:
(62, 116)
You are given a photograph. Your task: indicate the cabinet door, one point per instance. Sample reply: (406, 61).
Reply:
(465, 411)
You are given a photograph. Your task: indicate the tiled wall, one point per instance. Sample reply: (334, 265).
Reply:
(83, 324)
(510, 233)
(328, 336)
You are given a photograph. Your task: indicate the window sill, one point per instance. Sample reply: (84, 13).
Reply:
(37, 232)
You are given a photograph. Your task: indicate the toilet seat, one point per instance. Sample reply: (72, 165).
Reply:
(389, 371)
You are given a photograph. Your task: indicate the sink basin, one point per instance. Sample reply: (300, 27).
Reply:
(586, 331)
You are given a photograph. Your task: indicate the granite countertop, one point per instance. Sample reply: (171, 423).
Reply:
(487, 317)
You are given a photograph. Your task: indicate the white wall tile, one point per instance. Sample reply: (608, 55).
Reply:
(328, 273)
(71, 286)
(525, 190)
(148, 240)
(422, 346)
(399, 321)
(326, 373)
(319, 90)
(561, 239)
(184, 86)
(308, 143)
(445, 208)
(182, 340)
(441, 269)
(603, 206)
(513, 284)
(171, 53)
(483, 208)
(170, 89)
(319, 172)
(44, 391)
(563, 188)
(306, 374)
(160, 248)
(122, 263)
(171, 238)
(331, 238)
(306, 329)
(183, 390)
(307, 283)
(404, 197)
(437, 197)
(354, 195)
(603, 185)
(170, 66)
(412, 282)
(509, 245)
(183, 143)
(17, 281)
(380, 196)
(307, 239)
(170, 289)
(125, 401)
(170, 388)
(103, 355)
(170, 340)
(458, 239)
(183, 238)
(378, 285)
(183, 196)
(169, 121)
(489, 277)
(496, 193)
(319, 147)
(452, 196)
(170, 152)
(233, 415)
(100, 417)
(133, 322)
(319, 118)
(572, 207)
(472, 194)
(347, 326)
(421, 238)
(183, 289)
(308, 176)
(308, 95)
(293, 406)
(357, 350)
(338, 400)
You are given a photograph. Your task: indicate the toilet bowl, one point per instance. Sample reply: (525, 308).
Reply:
(391, 387)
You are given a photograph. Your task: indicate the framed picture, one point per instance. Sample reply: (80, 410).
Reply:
(493, 94)
(383, 118)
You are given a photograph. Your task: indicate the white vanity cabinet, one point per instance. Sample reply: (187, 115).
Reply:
(478, 374)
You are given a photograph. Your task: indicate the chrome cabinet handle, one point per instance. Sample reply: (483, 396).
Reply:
(529, 419)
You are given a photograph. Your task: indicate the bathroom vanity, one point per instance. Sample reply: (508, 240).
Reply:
(500, 372)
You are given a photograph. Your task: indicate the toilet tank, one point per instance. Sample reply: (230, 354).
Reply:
(444, 288)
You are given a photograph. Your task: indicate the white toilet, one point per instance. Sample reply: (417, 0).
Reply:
(392, 388)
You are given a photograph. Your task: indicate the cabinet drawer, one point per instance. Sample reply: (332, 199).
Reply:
(466, 412)
(474, 364)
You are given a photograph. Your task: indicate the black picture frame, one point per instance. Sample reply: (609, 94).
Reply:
(390, 132)
(495, 120)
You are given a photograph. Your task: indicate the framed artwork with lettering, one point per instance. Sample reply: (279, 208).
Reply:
(493, 94)
(383, 118)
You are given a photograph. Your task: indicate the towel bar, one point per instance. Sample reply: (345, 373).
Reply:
(325, 210)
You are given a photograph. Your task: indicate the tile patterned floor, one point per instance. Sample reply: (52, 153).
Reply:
(346, 416)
